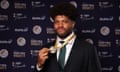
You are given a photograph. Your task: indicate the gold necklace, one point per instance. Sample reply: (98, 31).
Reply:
(55, 47)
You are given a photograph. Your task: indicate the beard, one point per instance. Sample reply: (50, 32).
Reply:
(66, 33)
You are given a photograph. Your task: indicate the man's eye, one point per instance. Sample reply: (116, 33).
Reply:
(66, 21)
(55, 22)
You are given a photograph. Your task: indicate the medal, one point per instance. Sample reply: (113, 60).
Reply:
(53, 49)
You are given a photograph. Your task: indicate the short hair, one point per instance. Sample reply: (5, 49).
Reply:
(66, 9)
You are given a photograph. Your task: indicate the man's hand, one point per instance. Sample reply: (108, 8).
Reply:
(42, 56)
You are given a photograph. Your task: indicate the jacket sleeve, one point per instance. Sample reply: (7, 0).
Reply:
(93, 60)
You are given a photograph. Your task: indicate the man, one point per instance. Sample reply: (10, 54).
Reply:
(73, 54)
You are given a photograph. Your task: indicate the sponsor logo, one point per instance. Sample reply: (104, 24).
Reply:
(6, 41)
(37, 29)
(4, 4)
(39, 18)
(36, 42)
(18, 65)
(104, 43)
(50, 30)
(36, 4)
(118, 56)
(18, 16)
(88, 6)
(50, 40)
(3, 53)
(17, 54)
(117, 31)
(105, 5)
(51, 6)
(88, 31)
(21, 41)
(73, 3)
(89, 40)
(105, 54)
(105, 30)
(110, 68)
(110, 18)
(21, 29)
(34, 52)
(32, 66)
(20, 5)
(86, 17)
(118, 42)
(4, 28)
(3, 17)
(3, 66)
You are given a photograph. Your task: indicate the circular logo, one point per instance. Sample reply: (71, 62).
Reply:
(89, 40)
(3, 53)
(37, 29)
(73, 3)
(105, 30)
(21, 41)
(4, 4)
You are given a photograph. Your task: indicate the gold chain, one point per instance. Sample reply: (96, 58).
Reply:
(65, 43)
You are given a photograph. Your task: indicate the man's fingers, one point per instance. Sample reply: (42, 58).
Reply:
(43, 53)
(46, 57)
(44, 50)
(42, 56)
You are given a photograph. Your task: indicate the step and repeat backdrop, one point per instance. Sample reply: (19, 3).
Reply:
(25, 26)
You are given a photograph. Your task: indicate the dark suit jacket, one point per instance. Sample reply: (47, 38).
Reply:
(83, 58)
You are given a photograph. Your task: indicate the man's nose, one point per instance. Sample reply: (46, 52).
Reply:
(60, 24)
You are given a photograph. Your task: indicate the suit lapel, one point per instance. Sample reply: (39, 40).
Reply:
(53, 64)
(68, 65)
(69, 61)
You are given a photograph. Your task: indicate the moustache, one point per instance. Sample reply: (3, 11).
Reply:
(60, 28)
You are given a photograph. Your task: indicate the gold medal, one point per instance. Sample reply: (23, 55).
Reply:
(53, 49)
